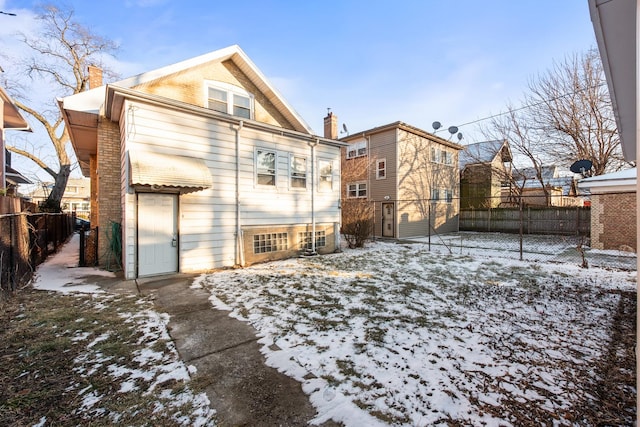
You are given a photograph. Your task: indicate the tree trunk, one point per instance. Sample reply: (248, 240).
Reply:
(52, 204)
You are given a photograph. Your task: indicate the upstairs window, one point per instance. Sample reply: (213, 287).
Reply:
(441, 156)
(325, 182)
(357, 149)
(229, 99)
(298, 172)
(265, 167)
(446, 157)
(435, 194)
(381, 168)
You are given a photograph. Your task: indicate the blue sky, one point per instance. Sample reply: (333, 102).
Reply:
(372, 62)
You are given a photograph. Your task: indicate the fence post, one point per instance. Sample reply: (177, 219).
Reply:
(521, 228)
(429, 222)
(12, 266)
(81, 260)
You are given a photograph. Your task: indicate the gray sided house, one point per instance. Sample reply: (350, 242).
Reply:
(203, 165)
(485, 168)
(410, 176)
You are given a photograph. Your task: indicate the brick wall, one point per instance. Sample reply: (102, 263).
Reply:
(293, 243)
(108, 177)
(613, 221)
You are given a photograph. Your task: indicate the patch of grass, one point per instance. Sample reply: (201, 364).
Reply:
(48, 367)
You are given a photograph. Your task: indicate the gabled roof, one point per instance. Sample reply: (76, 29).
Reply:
(11, 115)
(485, 152)
(403, 126)
(81, 111)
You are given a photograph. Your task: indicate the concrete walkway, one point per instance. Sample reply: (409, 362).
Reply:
(241, 388)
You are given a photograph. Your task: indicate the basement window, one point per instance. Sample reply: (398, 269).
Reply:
(270, 242)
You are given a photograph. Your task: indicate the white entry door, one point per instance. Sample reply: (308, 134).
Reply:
(157, 234)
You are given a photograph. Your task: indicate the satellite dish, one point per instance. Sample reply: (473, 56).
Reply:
(582, 167)
(436, 125)
(453, 129)
(344, 129)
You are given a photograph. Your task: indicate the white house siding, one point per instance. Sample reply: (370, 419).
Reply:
(207, 219)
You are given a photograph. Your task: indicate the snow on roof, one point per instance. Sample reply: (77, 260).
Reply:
(480, 152)
(624, 178)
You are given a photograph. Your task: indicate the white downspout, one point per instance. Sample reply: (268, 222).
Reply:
(239, 246)
(313, 196)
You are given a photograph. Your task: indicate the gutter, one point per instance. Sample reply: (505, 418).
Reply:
(112, 106)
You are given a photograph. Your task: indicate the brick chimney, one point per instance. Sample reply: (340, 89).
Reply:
(331, 126)
(95, 76)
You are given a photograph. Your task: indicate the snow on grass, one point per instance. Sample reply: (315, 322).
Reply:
(395, 334)
(154, 362)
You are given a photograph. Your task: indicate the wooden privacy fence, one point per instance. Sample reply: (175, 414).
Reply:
(528, 220)
(26, 240)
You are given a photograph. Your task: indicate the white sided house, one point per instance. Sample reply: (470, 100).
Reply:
(202, 165)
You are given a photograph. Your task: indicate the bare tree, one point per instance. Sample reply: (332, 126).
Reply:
(61, 54)
(570, 105)
(528, 143)
(567, 116)
(357, 211)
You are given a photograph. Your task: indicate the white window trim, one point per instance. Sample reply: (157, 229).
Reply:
(231, 91)
(357, 185)
(330, 175)
(356, 147)
(255, 163)
(306, 172)
(378, 168)
(435, 191)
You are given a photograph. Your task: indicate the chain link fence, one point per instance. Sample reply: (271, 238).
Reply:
(530, 228)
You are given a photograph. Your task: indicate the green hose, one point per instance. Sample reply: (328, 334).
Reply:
(114, 254)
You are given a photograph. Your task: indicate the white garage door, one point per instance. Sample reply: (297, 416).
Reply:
(157, 234)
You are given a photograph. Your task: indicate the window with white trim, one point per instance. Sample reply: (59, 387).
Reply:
(435, 194)
(298, 172)
(435, 155)
(270, 242)
(381, 169)
(357, 149)
(265, 167)
(448, 196)
(446, 157)
(357, 190)
(230, 99)
(325, 175)
(304, 239)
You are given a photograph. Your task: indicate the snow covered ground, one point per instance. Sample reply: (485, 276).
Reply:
(155, 364)
(396, 334)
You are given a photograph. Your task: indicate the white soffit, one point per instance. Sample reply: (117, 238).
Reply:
(614, 24)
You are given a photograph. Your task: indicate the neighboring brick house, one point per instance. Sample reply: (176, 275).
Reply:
(410, 176)
(613, 209)
(203, 164)
(484, 168)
